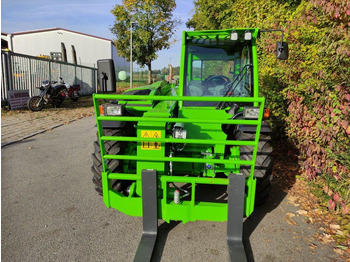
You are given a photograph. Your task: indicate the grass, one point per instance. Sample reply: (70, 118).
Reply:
(83, 102)
(127, 84)
(123, 86)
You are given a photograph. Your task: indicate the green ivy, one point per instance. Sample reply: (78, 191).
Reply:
(309, 95)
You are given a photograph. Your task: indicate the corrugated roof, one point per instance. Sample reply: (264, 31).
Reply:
(56, 29)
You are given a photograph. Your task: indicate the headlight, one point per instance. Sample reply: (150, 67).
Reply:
(247, 35)
(234, 35)
(113, 110)
(251, 112)
(180, 133)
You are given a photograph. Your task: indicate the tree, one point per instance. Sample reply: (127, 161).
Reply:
(153, 29)
(210, 14)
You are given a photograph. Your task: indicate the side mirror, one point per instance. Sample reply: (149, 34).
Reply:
(282, 50)
(106, 75)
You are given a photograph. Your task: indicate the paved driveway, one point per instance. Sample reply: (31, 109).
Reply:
(50, 212)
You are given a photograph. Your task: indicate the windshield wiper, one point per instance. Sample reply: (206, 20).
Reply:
(233, 85)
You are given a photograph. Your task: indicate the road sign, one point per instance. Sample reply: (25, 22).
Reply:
(18, 98)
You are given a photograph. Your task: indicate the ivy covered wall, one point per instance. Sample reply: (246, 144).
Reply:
(309, 94)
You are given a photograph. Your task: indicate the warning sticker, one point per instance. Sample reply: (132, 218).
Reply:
(150, 145)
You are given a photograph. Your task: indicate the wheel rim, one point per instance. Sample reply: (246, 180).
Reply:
(35, 103)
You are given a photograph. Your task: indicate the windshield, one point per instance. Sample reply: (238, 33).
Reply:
(224, 70)
(46, 83)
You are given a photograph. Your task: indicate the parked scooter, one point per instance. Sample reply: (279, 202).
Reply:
(73, 93)
(53, 93)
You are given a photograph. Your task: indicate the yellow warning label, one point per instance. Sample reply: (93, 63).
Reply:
(150, 145)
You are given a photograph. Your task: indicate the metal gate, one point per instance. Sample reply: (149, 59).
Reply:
(24, 72)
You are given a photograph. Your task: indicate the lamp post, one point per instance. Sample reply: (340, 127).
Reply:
(131, 64)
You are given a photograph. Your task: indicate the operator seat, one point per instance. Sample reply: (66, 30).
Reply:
(195, 88)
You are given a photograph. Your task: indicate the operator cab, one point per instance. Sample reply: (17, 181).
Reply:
(217, 67)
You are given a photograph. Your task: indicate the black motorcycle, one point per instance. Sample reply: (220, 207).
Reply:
(50, 93)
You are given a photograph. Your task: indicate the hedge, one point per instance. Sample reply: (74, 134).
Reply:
(309, 95)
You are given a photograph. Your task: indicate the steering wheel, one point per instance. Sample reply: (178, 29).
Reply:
(215, 80)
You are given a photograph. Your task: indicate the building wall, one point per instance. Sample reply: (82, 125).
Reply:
(5, 38)
(88, 49)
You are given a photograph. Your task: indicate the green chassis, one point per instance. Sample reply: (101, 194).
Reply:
(154, 114)
(157, 119)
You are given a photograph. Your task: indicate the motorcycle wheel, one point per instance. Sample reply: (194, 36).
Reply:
(35, 103)
(75, 97)
(57, 102)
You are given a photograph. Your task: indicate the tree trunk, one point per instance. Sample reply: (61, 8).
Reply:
(149, 73)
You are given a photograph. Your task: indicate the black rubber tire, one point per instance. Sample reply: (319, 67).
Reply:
(263, 167)
(57, 102)
(33, 104)
(111, 147)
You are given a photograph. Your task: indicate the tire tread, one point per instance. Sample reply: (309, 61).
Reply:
(263, 166)
(111, 147)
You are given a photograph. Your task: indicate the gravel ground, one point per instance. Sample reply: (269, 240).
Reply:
(50, 212)
(55, 215)
(20, 124)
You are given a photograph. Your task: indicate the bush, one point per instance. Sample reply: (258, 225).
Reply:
(309, 95)
(317, 77)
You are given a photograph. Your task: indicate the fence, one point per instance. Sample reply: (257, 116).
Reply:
(23, 72)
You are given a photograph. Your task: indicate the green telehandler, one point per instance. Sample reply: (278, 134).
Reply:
(161, 146)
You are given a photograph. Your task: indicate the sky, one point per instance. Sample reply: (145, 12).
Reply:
(85, 16)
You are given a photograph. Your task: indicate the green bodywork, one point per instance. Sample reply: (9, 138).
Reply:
(206, 156)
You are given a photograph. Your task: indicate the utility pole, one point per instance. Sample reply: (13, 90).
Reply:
(131, 64)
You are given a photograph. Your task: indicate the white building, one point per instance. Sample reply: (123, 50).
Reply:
(51, 41)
